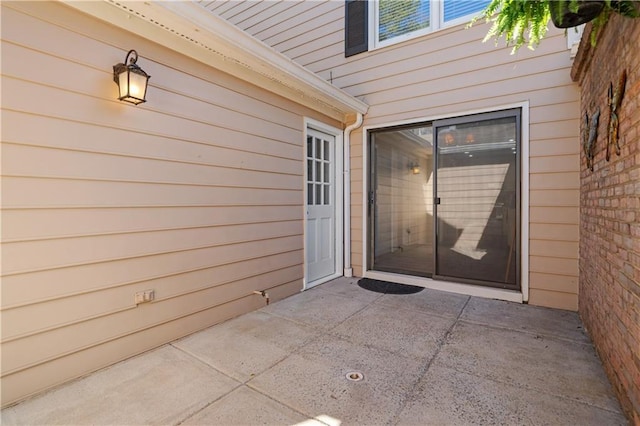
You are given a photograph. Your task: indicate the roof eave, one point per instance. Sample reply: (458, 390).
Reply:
(195, 32)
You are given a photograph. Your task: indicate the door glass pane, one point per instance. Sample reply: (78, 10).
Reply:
(402, 207)
(310, 194)
(477, 182)
(318, 194)
(326, 194)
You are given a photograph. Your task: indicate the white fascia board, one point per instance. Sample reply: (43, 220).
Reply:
(190, 29)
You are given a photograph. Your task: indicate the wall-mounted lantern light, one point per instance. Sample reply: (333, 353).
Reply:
(131, 80)
(414, 168)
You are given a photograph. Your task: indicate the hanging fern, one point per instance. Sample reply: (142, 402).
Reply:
(526, 21)
(515, 18)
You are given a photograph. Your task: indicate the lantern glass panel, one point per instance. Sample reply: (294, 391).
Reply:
(123, 83)
(137, 85)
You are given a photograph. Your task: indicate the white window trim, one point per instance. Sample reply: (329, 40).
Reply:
(519, 296)
(436, 23)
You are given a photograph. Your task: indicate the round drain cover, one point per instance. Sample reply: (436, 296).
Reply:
(355, 376)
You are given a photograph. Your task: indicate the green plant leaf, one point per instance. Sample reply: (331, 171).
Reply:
(523, 22)
(512, 19)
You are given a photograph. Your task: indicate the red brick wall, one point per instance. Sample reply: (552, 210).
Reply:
(609, 283)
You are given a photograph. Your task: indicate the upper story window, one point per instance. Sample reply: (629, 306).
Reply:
(398, 20)
(395, 18)
(377, 23)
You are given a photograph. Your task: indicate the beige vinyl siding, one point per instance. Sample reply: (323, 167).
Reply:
(197, 195)
(306, 31)
(451, 72)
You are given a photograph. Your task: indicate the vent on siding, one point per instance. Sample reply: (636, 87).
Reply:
(356, 27)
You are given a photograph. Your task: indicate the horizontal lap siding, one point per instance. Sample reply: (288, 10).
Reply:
(309, 32)
(197, 194)
(451, 72)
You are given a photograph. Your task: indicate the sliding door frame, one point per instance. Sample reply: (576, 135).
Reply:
(521, 295)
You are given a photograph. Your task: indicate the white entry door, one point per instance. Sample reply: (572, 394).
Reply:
(320, 208)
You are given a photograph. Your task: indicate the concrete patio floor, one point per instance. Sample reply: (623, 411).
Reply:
(426, 358)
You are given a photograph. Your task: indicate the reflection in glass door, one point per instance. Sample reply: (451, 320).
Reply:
(477, 199)
(401, 201)
(444, 200)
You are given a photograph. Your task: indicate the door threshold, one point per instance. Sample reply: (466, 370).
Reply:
(307, 286)
(451, 287)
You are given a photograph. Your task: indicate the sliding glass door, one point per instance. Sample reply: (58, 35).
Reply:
(444, 199)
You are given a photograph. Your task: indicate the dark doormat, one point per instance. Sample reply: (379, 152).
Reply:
(387, 287)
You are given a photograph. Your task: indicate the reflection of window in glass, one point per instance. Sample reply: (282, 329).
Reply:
(499, 132)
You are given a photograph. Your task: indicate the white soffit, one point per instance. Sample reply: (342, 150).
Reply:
(194, 31)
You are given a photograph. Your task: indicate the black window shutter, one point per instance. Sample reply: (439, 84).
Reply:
(356, 28)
